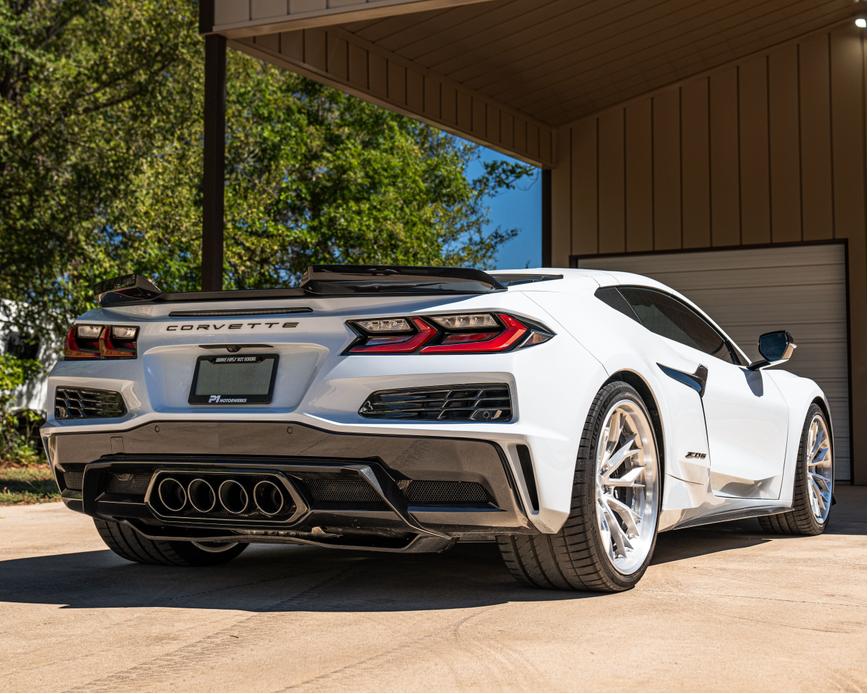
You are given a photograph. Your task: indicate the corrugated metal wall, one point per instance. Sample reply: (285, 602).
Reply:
(768, 150)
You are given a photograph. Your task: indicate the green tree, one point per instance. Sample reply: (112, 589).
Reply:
(101, 159)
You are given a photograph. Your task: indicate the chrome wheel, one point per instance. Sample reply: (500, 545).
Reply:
(627, 486)
(818, 451)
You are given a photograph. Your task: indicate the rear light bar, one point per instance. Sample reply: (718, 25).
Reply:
(466, 333)
(86, 341)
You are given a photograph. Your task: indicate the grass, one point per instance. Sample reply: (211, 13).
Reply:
(27, 484)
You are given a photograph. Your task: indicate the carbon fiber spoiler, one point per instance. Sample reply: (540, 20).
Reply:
(318, 280)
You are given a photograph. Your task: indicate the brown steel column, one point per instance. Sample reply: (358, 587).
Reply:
(546, 217)
(214, 159)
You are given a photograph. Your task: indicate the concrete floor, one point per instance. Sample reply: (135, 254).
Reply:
(722, 608)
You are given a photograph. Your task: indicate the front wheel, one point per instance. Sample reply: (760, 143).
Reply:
(608, 539)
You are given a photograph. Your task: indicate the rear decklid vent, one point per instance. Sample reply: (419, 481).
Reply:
(486, 402)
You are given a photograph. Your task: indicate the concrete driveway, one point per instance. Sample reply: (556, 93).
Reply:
(722, 608)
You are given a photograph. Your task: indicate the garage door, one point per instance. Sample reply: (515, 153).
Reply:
(750, 291)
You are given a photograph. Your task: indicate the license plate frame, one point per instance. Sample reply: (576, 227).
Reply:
(218, 399)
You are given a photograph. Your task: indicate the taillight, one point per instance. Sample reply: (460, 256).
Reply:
(85, 341)
(465, 333)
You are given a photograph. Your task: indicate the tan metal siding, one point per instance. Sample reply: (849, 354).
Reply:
(768, 149)
(346, 61)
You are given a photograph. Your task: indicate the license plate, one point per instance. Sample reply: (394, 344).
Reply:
(234, 380)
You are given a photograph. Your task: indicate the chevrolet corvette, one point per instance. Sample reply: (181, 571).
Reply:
(568, 415)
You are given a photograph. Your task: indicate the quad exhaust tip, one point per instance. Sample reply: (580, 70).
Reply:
(213, 495)
(233, 497)
(172, 494)
(202, 496)
(268, 498)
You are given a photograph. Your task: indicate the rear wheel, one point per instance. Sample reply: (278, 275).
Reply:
(126, 542)
(813, 483)
(608, 539)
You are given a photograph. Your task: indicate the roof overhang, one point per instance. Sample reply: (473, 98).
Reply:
(510, 73)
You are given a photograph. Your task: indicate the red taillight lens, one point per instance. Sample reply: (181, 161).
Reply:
(473, 333)
(400, 343)
(84, 341)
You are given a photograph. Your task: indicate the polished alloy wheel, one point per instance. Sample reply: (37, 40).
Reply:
(819, 478)
(627, 486)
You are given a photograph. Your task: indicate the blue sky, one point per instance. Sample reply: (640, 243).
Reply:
(521, 209)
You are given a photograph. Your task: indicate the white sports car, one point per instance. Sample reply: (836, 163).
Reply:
(570, 414)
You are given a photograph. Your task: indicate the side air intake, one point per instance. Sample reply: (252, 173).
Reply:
(485, 402)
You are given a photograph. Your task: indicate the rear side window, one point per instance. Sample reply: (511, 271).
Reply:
(614, 299)
(669, 317)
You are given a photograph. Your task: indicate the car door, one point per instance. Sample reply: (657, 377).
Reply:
(745, 412)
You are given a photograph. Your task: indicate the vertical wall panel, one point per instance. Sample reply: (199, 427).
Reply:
(465, 111)
(848, 158)
(583, 175)
(784, 146)
(337, 61)
(397, 83)
(611, 182)
(560, 203)
(725, 194)
(848, 130)
(292, 44)
(816, 137)
(415, 91)
(492, 124)
(315, 48)
(358, 67)
(432, 97)
(640, 209)
(378, 75)
(667, 170)
(507, 130)
(696, 210)
(449, 104)
(753, 118)
(231, 11)
(260, 9)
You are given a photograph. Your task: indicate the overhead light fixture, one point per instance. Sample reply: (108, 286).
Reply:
(861, 23)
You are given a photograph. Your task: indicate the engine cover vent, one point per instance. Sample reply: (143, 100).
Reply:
(485, 402)
(87, 403)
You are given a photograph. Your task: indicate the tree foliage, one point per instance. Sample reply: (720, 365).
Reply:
(101, 160)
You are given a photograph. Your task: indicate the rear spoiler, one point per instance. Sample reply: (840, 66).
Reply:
(344, 280)
(318, 280)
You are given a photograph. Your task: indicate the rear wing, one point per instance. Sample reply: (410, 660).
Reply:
(318, 280)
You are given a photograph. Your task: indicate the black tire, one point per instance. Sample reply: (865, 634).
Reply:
(800, 520)
(126, 542)
(574, 558)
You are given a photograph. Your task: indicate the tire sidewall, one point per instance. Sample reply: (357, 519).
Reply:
(800, 493)
(586, 470)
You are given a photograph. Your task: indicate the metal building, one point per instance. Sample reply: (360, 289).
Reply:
(718, 145)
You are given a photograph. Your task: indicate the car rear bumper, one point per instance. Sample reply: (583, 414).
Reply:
(400, 493)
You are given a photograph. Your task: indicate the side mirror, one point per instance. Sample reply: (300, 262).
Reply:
(775, 347)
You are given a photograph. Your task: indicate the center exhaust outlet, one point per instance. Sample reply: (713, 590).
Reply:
(268, 498)
(172, 494)
(202, 496)
(233, 496)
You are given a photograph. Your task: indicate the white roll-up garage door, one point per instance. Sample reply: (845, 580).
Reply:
(750, 291)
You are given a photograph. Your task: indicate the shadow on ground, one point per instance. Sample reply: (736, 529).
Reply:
(286, 578)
